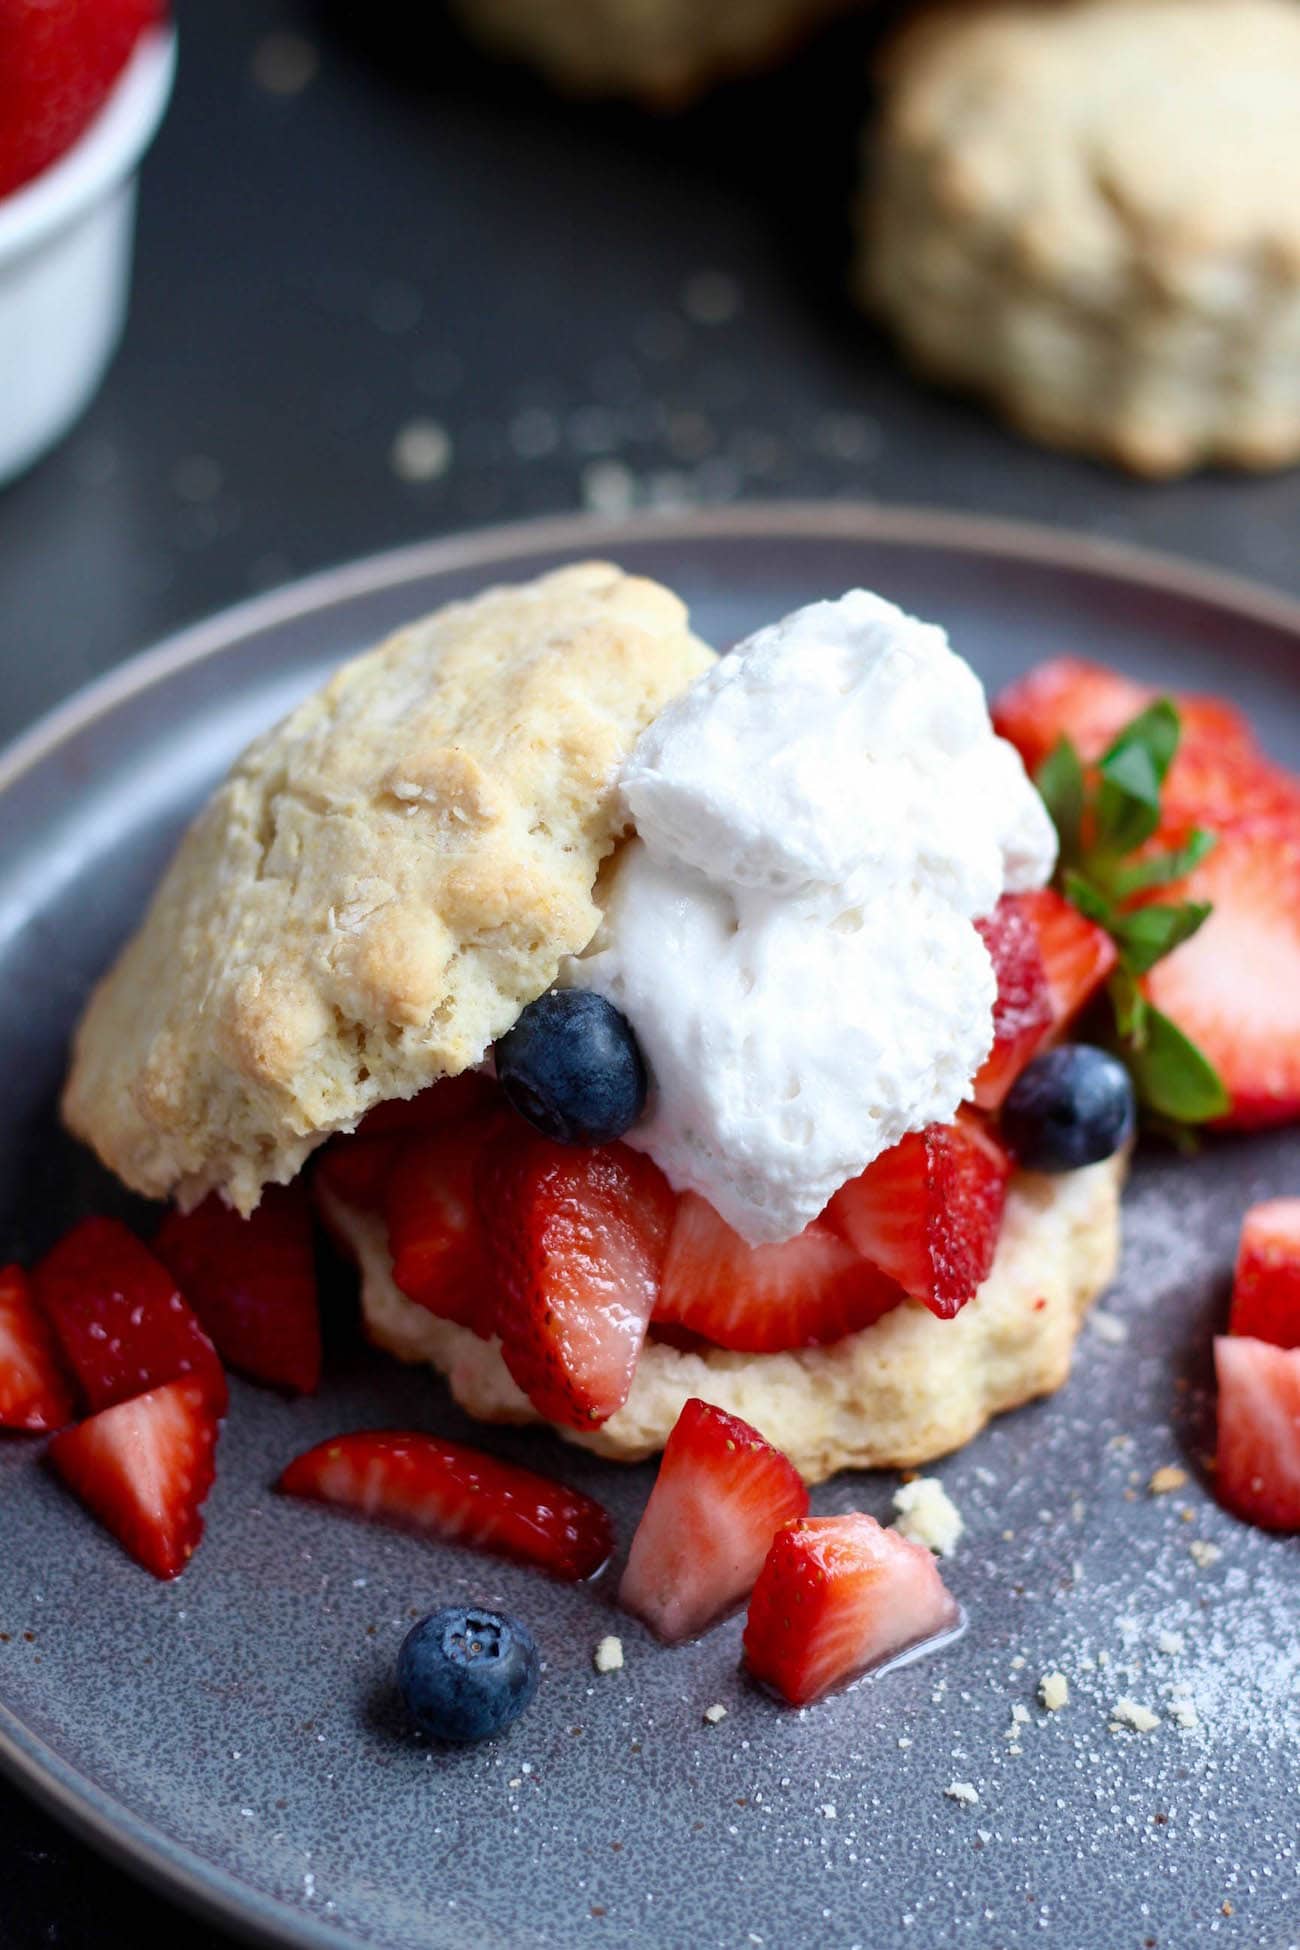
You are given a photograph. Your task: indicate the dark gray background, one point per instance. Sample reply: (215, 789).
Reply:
(591, 307)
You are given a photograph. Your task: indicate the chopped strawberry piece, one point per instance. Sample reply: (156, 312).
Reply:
(1258, 1467)
(34, 1392)
(1022, 1013)
(804, 1292)
(119, 1318)
(721, 1495)
(457, 1494)
(1077, 955)
(145, 1468)
(355, 1170)
(1221, 785)
(435, 1234)
(576, 1240)
(57, 65)
(1066, 698)
(1234, 988)
(1050, 961)
(449, 1101)
(1219, 777)
(1266, 1289)
(928, 1212)
(252, 1284)
(837, 1596)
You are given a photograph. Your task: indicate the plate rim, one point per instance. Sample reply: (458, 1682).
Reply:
(173, 1868)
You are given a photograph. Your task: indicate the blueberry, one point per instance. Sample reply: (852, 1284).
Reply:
(1071, 1106)
(572, 1066)
(467, 1675)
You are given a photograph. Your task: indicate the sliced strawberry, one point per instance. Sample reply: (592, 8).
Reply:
(721, 1495)
(457, 1494)
(837, 1596)
(1234, 988)
(1219, 777)
(449, 1101)
(929, 1212)
(1050, 961)
(576, 1239)
(145, 1468)
(1266, 1287)
(1066, 698)
(435, 1234)
(764, 1299)
(119, 1318)
(252, 1284)
(34, 1392)
(1258, 1467)
(355, 1170)
(1022, 1013)
(1077, 955)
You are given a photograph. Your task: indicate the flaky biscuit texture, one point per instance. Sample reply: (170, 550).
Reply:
(380, 885)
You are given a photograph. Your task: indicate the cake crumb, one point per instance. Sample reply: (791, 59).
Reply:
(927, 1515)
(1018, 1663)
(1107, 1328)
(1183, 1713)
(1204, 1554)
(1054, 1691)
(608, 1656)
(962, 1791)
(1170, 1642)
(1168, 1478)
(828, 1810)
(1019, 1714)
(904, 1740)
(714, 1713)
(1130, 1713)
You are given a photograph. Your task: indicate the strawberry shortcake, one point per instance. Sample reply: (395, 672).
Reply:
(675, 1028)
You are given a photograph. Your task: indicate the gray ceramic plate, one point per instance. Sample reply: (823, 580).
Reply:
(233, 1736)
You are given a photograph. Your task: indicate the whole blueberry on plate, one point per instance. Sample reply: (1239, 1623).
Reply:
(1070, 1107)
(572, 1066)
(465, 1675)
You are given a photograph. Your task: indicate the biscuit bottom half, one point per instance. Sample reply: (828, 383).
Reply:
(896, 1395)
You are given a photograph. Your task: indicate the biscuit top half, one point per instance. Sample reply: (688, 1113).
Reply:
(380, 885)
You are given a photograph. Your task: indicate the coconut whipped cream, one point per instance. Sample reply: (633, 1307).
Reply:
(820, 819)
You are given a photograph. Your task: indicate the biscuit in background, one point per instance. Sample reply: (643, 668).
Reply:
(1089, 212)
(661, 52)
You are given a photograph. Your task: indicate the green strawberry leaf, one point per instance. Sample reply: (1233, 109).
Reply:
(1132, 772)
(1173, 1078)
(1060, 782)
(1164, 868)
(1090, 901)
(1102, 816)
(1148, 934)
(1130, 1007)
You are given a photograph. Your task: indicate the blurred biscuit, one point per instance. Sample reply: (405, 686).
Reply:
(1087, 210)
(661, 52)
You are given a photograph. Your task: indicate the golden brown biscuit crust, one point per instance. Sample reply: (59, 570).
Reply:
(380, 885)
(896, 1395)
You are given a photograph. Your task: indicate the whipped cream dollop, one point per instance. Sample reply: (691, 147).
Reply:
(820, 820)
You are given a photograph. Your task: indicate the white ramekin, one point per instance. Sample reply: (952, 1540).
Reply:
(65, 262)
